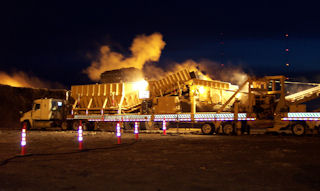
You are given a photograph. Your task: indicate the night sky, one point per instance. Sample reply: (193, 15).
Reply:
(55, 40)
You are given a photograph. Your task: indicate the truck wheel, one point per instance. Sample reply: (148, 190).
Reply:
(75, 125)
(89, 126)
(227, 129)
(64, 126)
(207, 129)
(28, 126)
(128, 125)
(156, 125)
(149, 125)
(298, 129)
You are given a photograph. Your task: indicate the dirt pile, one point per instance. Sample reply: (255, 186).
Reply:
(121, 75)
(13, 100)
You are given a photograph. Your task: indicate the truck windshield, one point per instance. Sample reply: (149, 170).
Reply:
(36, 106)
(56, 105)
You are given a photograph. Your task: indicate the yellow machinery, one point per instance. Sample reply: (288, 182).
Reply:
(303, 96)
(107, 98)
(124, 97)
(275, 112)
(186, 96)
(194, 93)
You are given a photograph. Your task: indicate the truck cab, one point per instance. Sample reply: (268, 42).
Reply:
(45, 113)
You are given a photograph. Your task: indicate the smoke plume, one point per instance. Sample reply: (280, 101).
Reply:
(21, 79)
(153, 72)
(143, 49)
(211, 70)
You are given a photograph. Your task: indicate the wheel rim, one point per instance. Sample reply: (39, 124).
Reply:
(227, 129)
(64, 126)
(298, 129)
(75, 126)
(206, 129)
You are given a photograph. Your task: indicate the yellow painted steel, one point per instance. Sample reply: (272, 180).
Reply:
(105, 96)
(119, 97)
(169, 83)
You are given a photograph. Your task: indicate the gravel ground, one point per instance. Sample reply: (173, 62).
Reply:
(158, 162)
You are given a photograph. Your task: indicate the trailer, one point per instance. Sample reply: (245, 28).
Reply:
(182, 97)
(188, 97)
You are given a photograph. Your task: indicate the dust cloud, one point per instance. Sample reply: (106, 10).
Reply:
(22, 79)
(210, 71)
(144, 49)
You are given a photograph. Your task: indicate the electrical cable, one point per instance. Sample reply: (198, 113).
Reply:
(6, 161)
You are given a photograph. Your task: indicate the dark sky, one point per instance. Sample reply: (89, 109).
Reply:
(51, 39)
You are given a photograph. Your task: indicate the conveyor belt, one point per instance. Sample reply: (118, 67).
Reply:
(304, 96)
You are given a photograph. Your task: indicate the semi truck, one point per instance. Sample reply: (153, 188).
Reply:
(185, 97)
(46, 113)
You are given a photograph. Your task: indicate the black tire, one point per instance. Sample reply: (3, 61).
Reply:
(207, 129)
(248, 129)
(64, 125)
(298, 129)
(98, 126)
(75, 125)
(149, 125)
(28, 126)
(128, 125)
(245, 128)
(89, 126)
(85, 125)
(227, 129)
(157, 125)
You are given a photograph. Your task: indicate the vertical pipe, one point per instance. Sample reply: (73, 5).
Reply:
(193, 101)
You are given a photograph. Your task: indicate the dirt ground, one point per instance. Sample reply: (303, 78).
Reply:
(157, 162)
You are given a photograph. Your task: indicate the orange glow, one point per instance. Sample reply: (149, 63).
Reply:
(143, 49)
(238, 96)
(203, 92)
(14, 80)
(140, 85)
(206, 77)
(21, 79)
